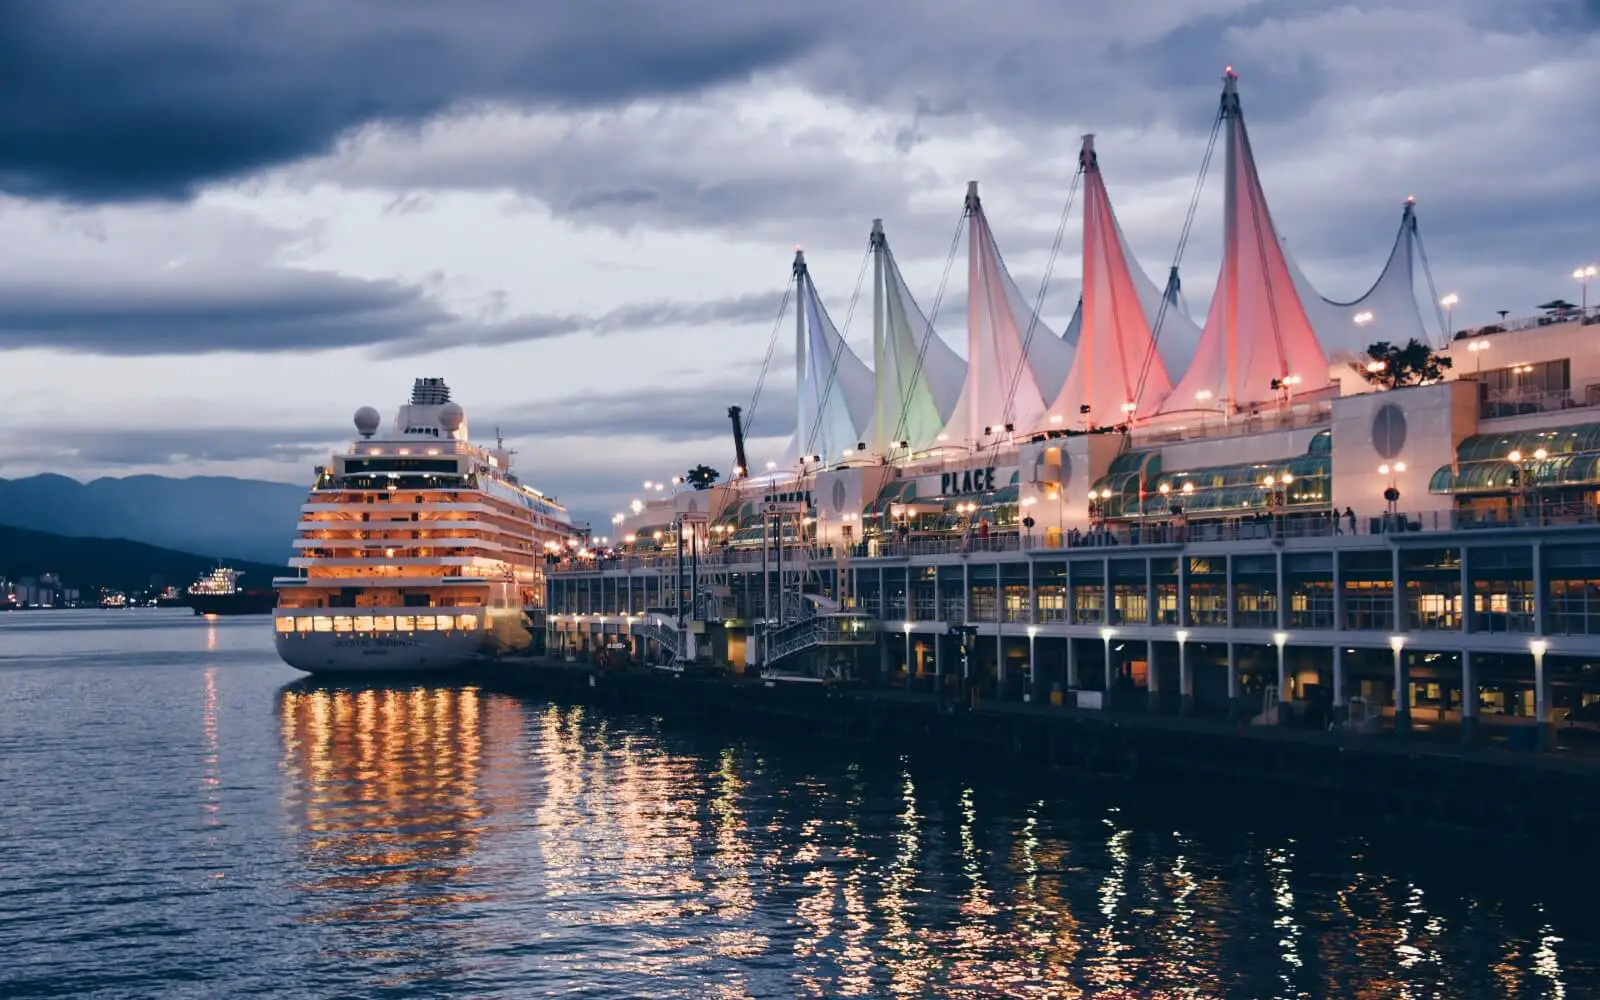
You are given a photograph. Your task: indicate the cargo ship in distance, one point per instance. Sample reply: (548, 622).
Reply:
(417, 549)
(218, 593)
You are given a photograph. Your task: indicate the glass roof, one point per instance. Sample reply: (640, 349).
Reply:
(1217, 487)
(1483, 461)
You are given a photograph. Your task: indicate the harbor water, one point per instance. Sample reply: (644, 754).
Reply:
(183, 816)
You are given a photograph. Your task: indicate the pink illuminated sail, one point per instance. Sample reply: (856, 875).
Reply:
(1117, 372)
(1257, 333)
(1014, 362)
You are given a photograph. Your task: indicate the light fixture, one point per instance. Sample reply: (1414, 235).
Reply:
(1107, 633)
(1397, 643)
(1362, 318)
(1538, 646)
(1280, 638)
(1540, 454)
(1164, 489)
(908, 627)
(1514, 456)
(1182, 635)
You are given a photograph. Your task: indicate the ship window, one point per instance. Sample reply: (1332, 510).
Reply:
(285, 624)
(384, 623)
(364, 623)
(343, 623)
(424, 623)
(404, 623)
(468, 622)
(302, 624)
(322, 624)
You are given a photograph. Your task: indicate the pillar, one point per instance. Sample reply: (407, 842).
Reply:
(1107, 642)
(1185, 679)
(1402, 692)
(999, 640)
(1285, 712)
(1233, 680)
(1469, 699)
(1073, 681)
(1341, 710)
(1541, 696)
(1152, 675)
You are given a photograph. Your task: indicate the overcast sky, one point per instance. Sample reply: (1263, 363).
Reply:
(224, 227)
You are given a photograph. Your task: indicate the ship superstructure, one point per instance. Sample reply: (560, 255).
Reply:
(418, 549)
(1300, 509)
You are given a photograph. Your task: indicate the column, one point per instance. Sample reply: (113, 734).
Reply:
(1285, 712)
(1469, 699)
(1400, 623)
(999, 638)
(1183, 599)
(1185, 676)
(1540, 588)
(1402, 692)
(1152, 675)
(1033, 600)
(1073, 681)
(1541, 694)
(1150, 614)
(1231, 602)
(1110, 616)
(1340, 709)
(1282, 606)
(1234, 707)
(1105, 636)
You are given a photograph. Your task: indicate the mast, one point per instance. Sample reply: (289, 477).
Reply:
(882, 374)
(802, 432)
(1087, 162)
(1230, 239)
(975, 364)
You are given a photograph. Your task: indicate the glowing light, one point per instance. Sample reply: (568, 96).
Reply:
(1450, 300)
(1362, 318)
(1280, 638)
(1182, 635)
(1397, 643)
(1514, 456)
(1538, 646)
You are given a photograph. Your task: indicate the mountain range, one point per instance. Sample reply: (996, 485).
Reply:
(116, 563)
(213, 516)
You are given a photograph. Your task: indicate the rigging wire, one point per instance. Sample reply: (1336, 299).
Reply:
(1433, 290)
(900, 427)
(1261, 253)
(766, 362)
(838, 351)
(1177, 257)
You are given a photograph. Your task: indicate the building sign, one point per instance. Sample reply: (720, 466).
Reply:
(966, 481)
(783, 507)
(798, 496)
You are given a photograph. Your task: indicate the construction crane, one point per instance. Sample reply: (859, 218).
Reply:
(740, 467)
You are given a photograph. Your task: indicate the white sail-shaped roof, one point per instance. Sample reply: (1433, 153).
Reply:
(1388, 309)
(1257, 330)
(835, 385)
(918, 376)
(1116, 365)
(1006, 382)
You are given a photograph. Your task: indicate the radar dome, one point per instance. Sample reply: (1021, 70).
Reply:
(451, 417)
(367, 420)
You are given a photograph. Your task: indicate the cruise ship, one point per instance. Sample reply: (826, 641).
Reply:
(1296, 512)
(417, 549)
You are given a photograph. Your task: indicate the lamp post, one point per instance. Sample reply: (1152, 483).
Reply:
(908, 627)
(1540, 709)
(1280, 639)
(1402, 697)
(1449, 303)
(1033, 632)
(1185, 678)
(1106, 634)
(1582, 276)
(1391, 492)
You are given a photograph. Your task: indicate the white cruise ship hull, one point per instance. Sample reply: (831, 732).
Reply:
(380, 653)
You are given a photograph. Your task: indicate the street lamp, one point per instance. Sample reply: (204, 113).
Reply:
(1402, 698)
(1449, 303)
(908, 627)
(1476, 348)
(1391, 492)
(1582, 276)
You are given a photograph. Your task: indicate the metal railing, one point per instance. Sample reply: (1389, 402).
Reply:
(820, 630)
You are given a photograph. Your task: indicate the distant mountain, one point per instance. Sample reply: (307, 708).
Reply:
(88, 563)
(233, 518)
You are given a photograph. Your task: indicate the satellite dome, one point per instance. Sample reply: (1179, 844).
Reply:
(367, 420)
(451, 417)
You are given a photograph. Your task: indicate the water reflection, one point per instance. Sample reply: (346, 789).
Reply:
(453, 834)
(384, 789)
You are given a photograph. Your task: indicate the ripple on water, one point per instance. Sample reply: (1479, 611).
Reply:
(182, 817)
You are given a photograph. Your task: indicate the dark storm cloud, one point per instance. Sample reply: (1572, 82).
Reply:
(106, 100)
(269, 312)
(682, 407)
(283, 310)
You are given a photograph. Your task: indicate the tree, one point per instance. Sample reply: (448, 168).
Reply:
(1413, 364)
(701, 477)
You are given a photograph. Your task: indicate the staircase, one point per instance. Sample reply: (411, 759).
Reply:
(662, 630)
(829, 629)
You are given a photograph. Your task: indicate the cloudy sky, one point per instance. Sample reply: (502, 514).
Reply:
(223, 227)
